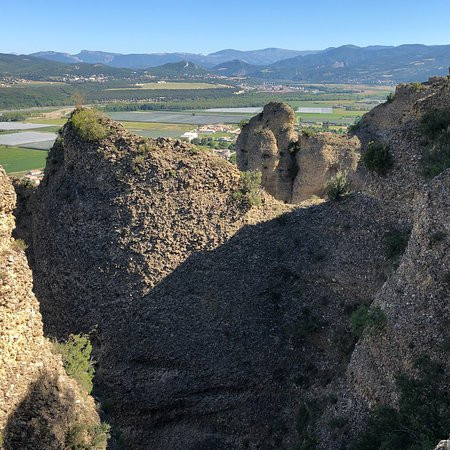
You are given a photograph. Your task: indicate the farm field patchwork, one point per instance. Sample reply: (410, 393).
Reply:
(182, 117)
(17, 159)
(157, 133)
(20, 125)
(155, 126)
(249, 110)
(25, 138)
(47, 122)
(171, 86)
(43, 145)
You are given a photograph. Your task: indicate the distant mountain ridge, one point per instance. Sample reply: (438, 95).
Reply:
(34, 68)
(352, 64)
(345, 64)
(369, 64)
(145, 60)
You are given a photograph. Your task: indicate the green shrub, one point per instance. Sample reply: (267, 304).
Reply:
(307, 417)
(436, 159)
(145, 147)
(249, 188)
(338, 186)
(352, 129)
(365, 318)
(396, 242)
(390, 97)
(82, 436)
(137, 164)
(308, 132)
(294, 147)
(87, 123)
(243, 123)
(434, 122)
(77, 361)
(435, 127)
(422, 417)
(20, 244)
(377, 158)
(417, 86)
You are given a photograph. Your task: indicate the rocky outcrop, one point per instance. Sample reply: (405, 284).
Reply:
(224, 350)
(201, 325)
(293, 169)
(265, 145)
(396, 125)
(39, 404)
(112, 219)
(210, 333)
(319, 158)
(415, 302)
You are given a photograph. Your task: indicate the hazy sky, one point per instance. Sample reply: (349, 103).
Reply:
(138, 26)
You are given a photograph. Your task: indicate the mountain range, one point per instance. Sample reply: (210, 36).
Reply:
(344, 64)
(143, 61)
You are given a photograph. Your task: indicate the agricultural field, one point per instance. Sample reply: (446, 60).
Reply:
(339, 116)
(25, 137)
(17, 159)
(171, 86)
(48, 121)
(173, 109)
(154, 130)
(12, 126)
(179, 117)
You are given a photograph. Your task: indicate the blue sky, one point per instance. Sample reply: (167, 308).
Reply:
(137, 26)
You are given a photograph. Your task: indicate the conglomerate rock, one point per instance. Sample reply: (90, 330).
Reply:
(293, 169)
(210, 333)
(319, 158)
(200, 322)
(39, 403)
(396, 125)
(264, 145)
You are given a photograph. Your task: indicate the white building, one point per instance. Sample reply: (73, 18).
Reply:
(189, 135)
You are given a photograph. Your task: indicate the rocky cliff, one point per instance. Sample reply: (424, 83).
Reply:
(119, 216)
(39, 403)
(293, 169)
(396, 124)
(265, 144)
(415, 307)
(222, 325)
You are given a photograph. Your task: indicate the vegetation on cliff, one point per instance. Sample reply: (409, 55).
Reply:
(435, 127)
(77, 360)
(377, 158)
(213, 334)
(422, 415)
(87, 123)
